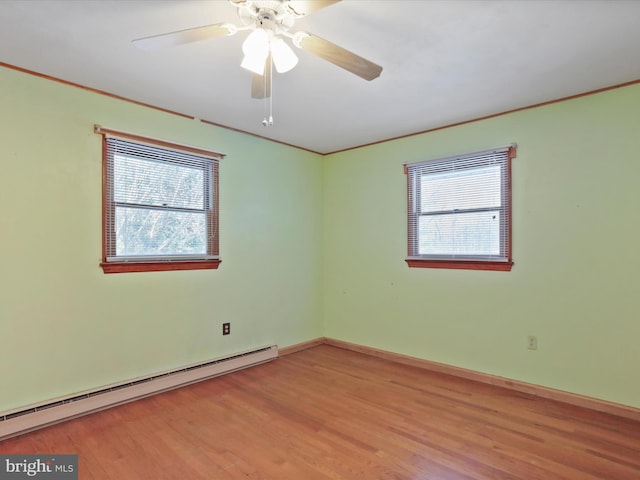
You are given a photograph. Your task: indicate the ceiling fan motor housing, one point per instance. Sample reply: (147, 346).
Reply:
(272, 15)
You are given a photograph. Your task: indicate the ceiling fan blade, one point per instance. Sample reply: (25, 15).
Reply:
(258, 87)
(305, 7)
(261, 84)
(183, 36)
(339, 56)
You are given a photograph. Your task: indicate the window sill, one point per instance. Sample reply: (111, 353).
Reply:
(459, 264)
(129, 267)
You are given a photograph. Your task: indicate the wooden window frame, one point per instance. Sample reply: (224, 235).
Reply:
(414, 260)
(155, 265)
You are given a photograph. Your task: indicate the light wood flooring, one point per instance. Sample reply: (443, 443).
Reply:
(329, 413)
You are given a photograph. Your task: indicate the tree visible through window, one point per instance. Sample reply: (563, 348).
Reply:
(459, 211)
(160, 206)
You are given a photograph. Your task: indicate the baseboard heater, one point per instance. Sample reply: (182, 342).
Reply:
(34, 417)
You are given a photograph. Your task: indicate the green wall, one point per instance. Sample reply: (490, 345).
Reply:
(315, 246)
(64, 325)
(576, 245)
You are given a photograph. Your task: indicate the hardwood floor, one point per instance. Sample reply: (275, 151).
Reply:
(328, 413)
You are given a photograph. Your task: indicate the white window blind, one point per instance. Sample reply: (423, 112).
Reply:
(459, 208)
(159, 203)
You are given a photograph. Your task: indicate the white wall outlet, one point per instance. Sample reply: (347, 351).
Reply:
(532, 342)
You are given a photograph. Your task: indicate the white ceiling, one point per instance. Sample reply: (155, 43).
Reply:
(444, 61)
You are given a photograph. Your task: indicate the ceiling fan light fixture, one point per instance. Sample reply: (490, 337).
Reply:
(283, 57)
(256, 50)
(254, 63)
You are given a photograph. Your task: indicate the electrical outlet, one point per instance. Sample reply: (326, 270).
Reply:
(532, 342)
(226, 328)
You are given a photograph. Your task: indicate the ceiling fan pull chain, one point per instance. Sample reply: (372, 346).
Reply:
(265, 122)
(271, 90)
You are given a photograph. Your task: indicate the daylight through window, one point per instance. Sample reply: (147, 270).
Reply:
(459, 211)
(160, 206)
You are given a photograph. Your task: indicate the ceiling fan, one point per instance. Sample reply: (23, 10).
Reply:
(270, 22)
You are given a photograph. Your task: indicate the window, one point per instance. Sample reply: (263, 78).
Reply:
(459, 211)
(160, 207)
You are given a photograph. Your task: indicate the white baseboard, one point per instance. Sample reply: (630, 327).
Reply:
(19, 421)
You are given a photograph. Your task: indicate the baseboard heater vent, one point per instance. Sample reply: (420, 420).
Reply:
(25, 420)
